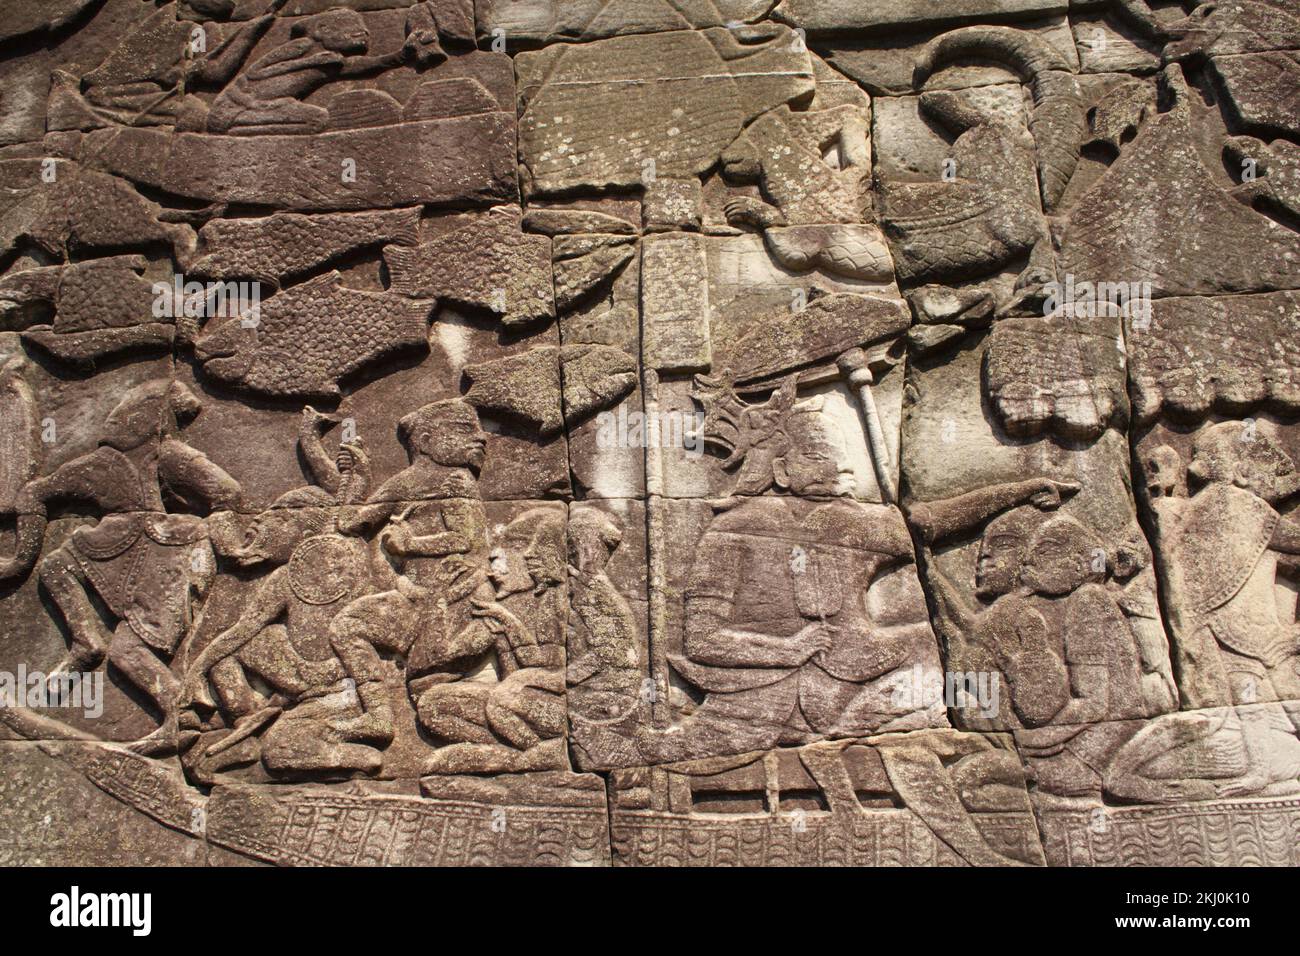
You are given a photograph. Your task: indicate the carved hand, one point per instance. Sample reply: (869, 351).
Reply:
(396, 539)
(815, 638)
(1052, 493)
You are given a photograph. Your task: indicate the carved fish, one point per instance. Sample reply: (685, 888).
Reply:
(101, 307)
(310, 337)
(486, 265)
(287, 244)
(544, 385)
(80, 208)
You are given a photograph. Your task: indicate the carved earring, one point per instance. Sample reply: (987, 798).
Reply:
(779, 474)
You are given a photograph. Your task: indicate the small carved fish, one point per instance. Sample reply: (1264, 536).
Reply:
(288, 244)
(543, 386)
(486, 265)
(310, 337)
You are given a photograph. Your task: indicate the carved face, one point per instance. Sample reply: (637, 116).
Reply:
(1237, 453)
(1062, 556)
(1002, 552)
(273, 534)
(530, 555)
(1163, 470)
(342, 31)
(998, 567)
(816, 462)
(450, 435)
(593, 536)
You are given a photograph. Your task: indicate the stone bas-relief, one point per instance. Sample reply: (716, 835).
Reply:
(667, 433)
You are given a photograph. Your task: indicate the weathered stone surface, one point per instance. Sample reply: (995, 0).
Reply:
(1240, 26)
(545, 387)
(1261, 89)
(545, 21)
(29, 16)
(1059, 374)
(1227, 353)
(288, 244)
(54, 816)
(643, 85)
(586, 264)
(834, 16)
(883, 62)
(649, 433)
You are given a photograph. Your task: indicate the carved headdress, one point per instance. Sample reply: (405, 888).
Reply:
(752, 435)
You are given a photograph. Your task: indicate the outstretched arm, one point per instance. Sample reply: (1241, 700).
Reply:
(266, 607)
(190, 474)
(221, 65)
(937, 520)
(104, 476)
(387, 498)
(1286, 537)
(320, 466)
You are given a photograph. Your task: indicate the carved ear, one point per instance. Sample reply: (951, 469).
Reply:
(779, 474)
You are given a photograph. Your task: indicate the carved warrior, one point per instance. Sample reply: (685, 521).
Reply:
(478, 678)
(308, 573)
(346, 572)
(150, 569)
(1222, 548)
(988, 215)
(267, 96)
(604, 676)
(825, 617)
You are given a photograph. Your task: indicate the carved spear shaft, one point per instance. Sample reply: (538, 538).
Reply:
(853, 366)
